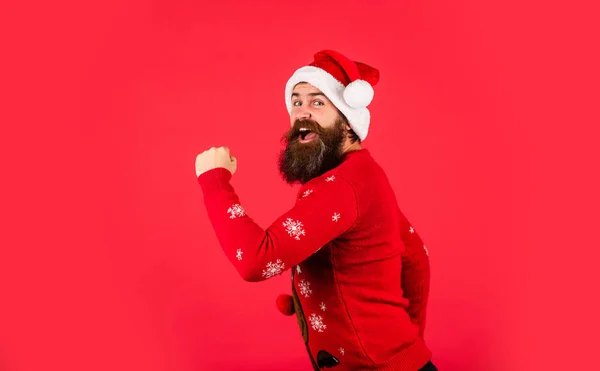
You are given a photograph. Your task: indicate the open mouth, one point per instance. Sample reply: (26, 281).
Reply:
(307, 135)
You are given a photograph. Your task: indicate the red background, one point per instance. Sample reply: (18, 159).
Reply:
(481, 120)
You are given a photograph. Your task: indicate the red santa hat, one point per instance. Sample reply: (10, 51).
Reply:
(346, 83)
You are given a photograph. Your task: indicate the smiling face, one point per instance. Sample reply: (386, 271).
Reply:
(309, 103)
(317, 139)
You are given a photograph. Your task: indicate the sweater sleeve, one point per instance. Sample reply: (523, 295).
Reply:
(415, 277)
(326, 210)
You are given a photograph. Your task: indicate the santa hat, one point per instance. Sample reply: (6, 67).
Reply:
(346, 83)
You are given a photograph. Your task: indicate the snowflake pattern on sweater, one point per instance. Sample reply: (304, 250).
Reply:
(259, 253)
(236, 211)
(304, 287)
(294, 228)
(325, 209)
(316, 322)
(273, 269)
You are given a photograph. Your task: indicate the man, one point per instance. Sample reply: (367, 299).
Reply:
(360, 272)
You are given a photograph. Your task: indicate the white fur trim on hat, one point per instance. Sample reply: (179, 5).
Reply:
(358, 96)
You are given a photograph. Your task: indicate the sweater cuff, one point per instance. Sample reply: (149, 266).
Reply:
(215, 180)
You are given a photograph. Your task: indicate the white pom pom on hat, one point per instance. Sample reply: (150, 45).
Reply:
(358, 94)
(346, 83)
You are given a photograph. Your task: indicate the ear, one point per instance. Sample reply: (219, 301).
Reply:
(348, 127)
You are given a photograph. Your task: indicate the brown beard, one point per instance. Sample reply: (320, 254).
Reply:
(301, 162)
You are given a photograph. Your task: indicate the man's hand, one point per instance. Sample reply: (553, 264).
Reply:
(213, 158)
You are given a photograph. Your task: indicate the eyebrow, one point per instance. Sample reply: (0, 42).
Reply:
(309, 94)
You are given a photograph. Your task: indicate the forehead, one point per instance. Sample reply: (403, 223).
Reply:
(303, 88)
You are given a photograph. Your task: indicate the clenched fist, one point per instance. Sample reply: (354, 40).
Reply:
(213, 158)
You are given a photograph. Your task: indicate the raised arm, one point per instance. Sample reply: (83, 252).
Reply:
(326, 210)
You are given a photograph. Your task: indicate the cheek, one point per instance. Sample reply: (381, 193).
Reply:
(331, 115)
(327, 120)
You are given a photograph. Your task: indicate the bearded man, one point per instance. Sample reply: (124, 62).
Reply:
(360, 272)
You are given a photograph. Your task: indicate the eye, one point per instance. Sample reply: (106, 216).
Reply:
(319, 103)
(296, 103)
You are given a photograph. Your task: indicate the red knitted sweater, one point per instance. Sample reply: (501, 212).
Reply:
(360, 272)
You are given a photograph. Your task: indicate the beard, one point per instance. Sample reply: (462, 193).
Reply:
(300, 162)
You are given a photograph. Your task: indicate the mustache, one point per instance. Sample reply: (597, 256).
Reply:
(311, 125)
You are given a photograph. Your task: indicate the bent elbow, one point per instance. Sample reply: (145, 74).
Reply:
(251, 277)
(251, 274)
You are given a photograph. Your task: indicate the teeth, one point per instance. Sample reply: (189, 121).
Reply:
(303, 129)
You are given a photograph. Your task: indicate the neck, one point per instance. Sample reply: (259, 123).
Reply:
(349, 147)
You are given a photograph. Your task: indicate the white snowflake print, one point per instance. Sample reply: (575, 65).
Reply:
(335, 217)
(330, 178)
(342, 351)
(426, 251)
(304, 286)
(294, 228)
(298, 270)
(238, 254)
(273, 269)
(322, 306)
(317, 322)
(307, 192)
(236, 211)
(412, 230)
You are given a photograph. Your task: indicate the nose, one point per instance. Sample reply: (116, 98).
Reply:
(303, 114)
